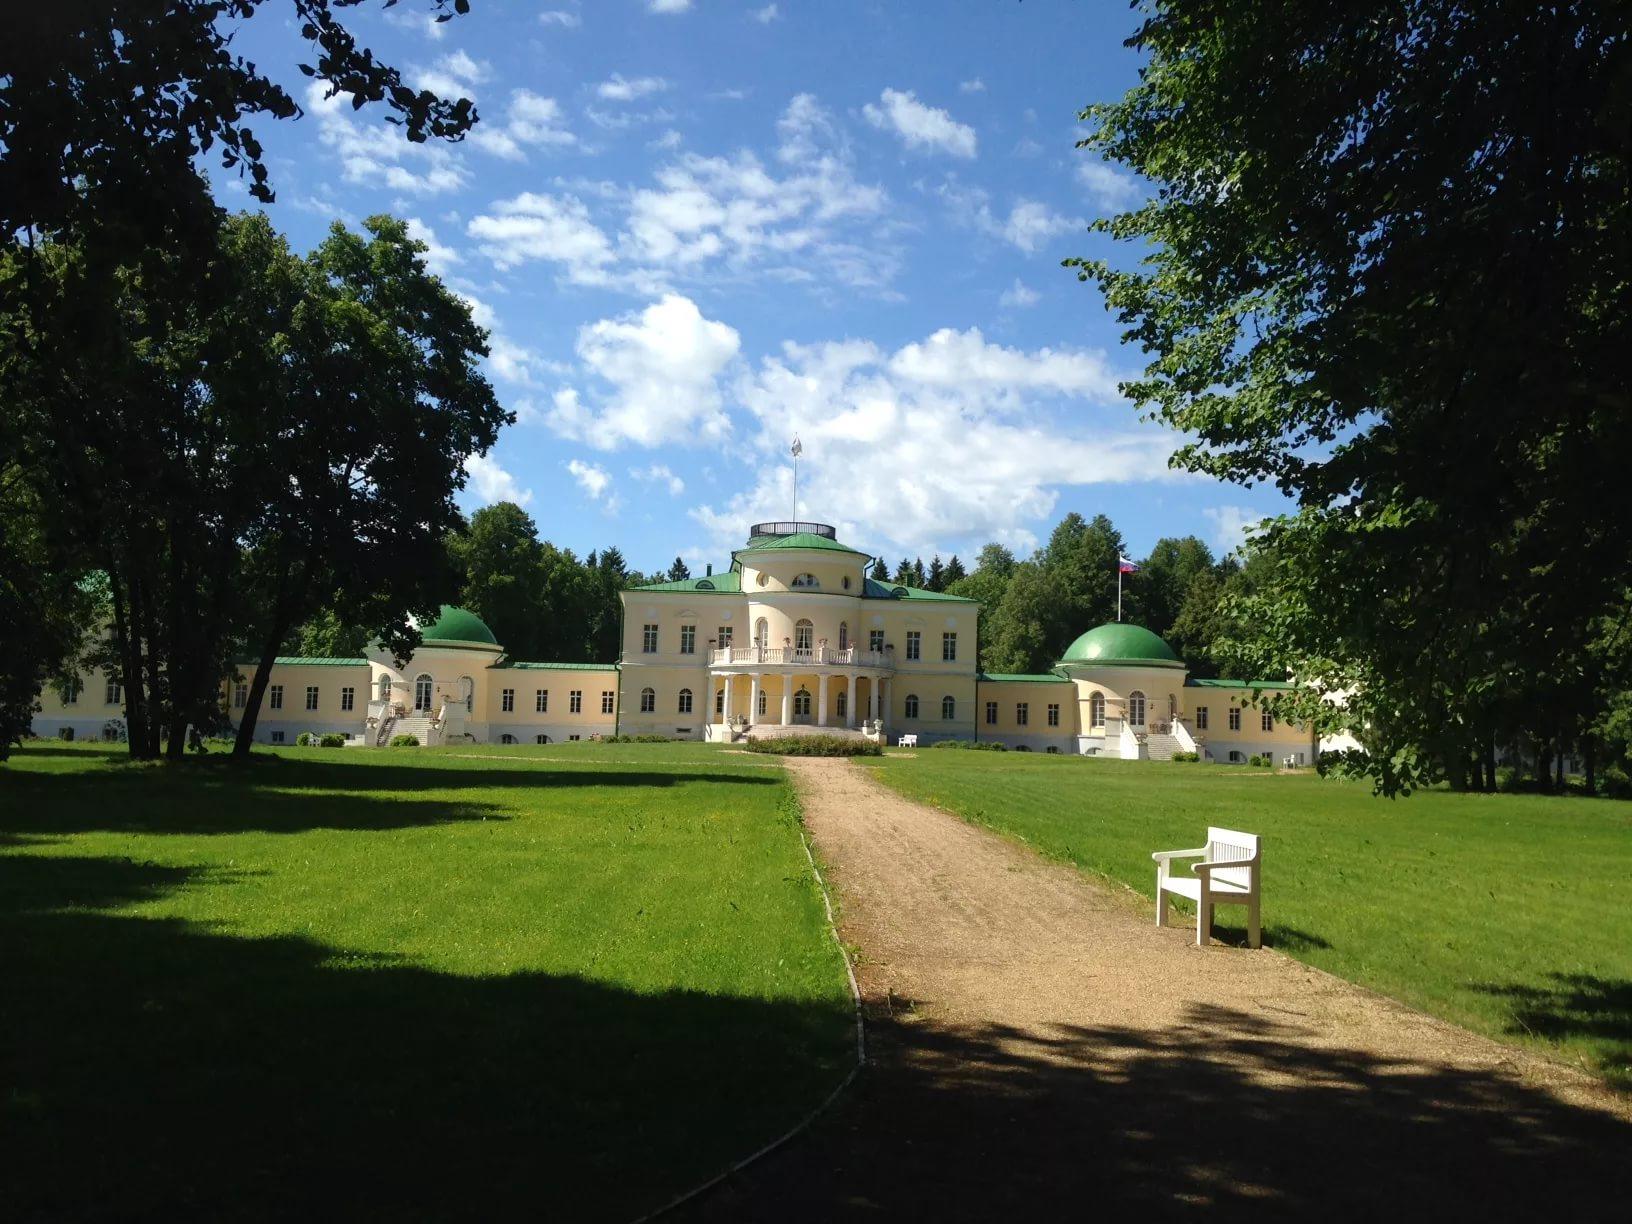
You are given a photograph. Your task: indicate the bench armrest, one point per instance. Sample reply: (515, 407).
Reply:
(1201, 867)
(1161, 856)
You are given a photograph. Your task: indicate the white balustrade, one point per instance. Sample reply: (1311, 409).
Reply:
(829, 656)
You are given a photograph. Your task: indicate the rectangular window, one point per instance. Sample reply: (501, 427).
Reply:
(348, 698)
(875, 640)
(240, 695)
(607, 700)
(69, 690)
(541, 701)
(311, 696)
(1268, 721)
(507, 701)
(648, 639)
(275, 697)
(573, 738)
(1053, 715)
(277, 737)
(722, 637)
(1022, 713)
(991, 713)
(575, 703)
(914, 643)
(113, 694)
(1201, 718)
(1235, 718)
(688, 639)
(949, 647)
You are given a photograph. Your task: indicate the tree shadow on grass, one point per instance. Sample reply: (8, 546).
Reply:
(1224, 1115)
(1575, 1005)
(152, 1069)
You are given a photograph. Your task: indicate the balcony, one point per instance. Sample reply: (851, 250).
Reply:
(793, 656)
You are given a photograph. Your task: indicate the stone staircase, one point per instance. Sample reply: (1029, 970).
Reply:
(1161, 746)
(416, 725)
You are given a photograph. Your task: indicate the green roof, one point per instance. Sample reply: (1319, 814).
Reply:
(1021, 678)
(873, 589)
(1239, 684)
(1118, 642)
(729, 583)
(457, 627)
(799, 539)
(518, 666)
(311, 661)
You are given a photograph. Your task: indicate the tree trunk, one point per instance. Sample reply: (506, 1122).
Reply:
(130, 668)
(1589, 753)
(1490, 766)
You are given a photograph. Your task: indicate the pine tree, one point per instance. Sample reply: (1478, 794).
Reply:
(954, 571)
(880, 571)
(678, 572)
(936, 579)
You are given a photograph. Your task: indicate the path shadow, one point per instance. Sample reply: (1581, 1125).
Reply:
(1225, 1115)
(154, 1070)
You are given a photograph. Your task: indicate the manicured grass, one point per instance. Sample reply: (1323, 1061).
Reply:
(559, 982)
(1510, 914)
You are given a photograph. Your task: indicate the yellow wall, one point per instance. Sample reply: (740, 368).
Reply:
(1038, 696)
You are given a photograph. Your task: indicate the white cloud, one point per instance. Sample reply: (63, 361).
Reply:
(560, 17)
(438, 257)
(660, 473)
(764, 15)
(668, 6)
(532, 120)
(920, 126)
(493, 484)
(1109, 188)
(555, 229)
(453, 76)
(970, 87)
(617, 88)
(1231, 525)
(661, 368)
(591, 479)
(669, 141)
(1029, 225)
(378, 154)
(1019, 295)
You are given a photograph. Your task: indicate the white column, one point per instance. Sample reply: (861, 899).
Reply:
(725, 707)
(821, 696)
(787, 698)
(884, 705)
(753, 698)
(850, 704)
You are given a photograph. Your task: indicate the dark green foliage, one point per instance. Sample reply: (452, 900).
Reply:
(815, 746)
(880, 572)
(331, 739)
(405, 741)
(1184, 757)
(678, 572)
(639, 739)
(303, 740)
(973, 745)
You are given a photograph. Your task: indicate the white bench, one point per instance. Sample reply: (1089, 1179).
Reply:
(907, 741)
(1229, 874)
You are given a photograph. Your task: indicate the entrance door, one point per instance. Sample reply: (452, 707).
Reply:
(801, 706)
(422, 692)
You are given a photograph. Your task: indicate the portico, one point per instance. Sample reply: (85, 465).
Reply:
(796, 694)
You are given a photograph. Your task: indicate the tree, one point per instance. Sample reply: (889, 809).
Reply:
(880, 572)
(678, 572)
(954, 571)
(1385, 272)
(1017, 637)
(935, 580)
(504, 576)
(1164, 581)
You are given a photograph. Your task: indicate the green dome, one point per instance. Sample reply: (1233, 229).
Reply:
(457, 627)
(1116, 642)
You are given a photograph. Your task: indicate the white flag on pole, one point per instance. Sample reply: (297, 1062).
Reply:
(798, 447)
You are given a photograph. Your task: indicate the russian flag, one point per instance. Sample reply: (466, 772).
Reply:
(1125, 566)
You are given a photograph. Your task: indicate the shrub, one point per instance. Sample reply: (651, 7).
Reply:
(405, 741)
(1022, 748)
(1261, 761)
(973, 745)
(816, 745)
(332, 739)
(67, 733)
(1187, 756)
(303, 740)
(639, 739)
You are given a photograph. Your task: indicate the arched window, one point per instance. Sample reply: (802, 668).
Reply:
(801, 703)
(912, 705)
(719, 700)
(422, 691)
(949, 708)
(467, 690)
(1172, 708)
(1096, 710)
(685, 701)
(762, 633)
(844, 635)
(648, 701)
(805, 581)
(761, 710)
(804, 636)
(1136, 709)
(541, 739)
(507, 739)
(385, 687)
(843, 703)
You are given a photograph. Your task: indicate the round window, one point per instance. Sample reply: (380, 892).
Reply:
(762, 578)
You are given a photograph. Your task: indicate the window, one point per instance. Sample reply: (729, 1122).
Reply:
(1054, 715)
(575, 701)
(541, 739)
(949, 708)
(801, 703)
(722, 635)
(422, 692)
(648, 639)
(805, 580)
(843, 704)
(685, 701)
(467, 691)
(541, 701)
(648, 701)
(1096, 710)
(847, 582)
(573, 738)
(507, 701)
(1268, 721)
(844, 635)
(385, 687)
(112, 694)
(914, 643)
(507, 738)
(275, 697)
(1201, 718)
(875, 640)
(311, 696)
(240, 695)
(912, 705)
(762, 633)
(949, 647)
(609, 701)
(804, 635)
(277, 737)
(348, 698)
(719, 700)
(1235, 718)
(1136, 708)
(688, 639)
(991, 713)
(1022, 713)
(762, 703)
(69, 690)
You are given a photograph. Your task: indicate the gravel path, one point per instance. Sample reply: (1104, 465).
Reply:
(1042, 1050)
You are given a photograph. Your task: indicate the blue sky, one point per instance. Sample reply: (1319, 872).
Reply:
(697, 229)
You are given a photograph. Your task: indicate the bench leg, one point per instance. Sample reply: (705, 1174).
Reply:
(1204, 920)
(1161, 895)
(1254, 939)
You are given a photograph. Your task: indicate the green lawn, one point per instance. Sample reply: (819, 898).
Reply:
(560, 982)
(1511, 914)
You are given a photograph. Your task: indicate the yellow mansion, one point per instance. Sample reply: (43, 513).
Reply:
(792, 637)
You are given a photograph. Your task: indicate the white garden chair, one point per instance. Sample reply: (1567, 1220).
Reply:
(1229, 874)
(907, 741)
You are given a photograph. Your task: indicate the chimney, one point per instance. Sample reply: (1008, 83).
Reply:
(710, 572)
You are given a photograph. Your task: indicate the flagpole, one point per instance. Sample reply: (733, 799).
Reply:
(1119, 589)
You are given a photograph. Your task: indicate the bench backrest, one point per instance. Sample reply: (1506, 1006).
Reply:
(1228, 846)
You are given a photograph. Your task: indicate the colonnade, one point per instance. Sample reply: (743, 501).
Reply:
(878, 696)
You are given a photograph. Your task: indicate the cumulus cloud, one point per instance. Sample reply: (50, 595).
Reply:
(1019, 295)
(1030, 224)
(560, 17)
(439, 258)
(617, 88)
(1232, 525)
(660, 474)
(764, 15)
(659, 372)
(378, 154)
(1110, 189)
(920, 127)
(668, 6)
(452, 76)
(554, 229)
(492, 483)
(969, 87)
(530, 121)
(593, 480)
